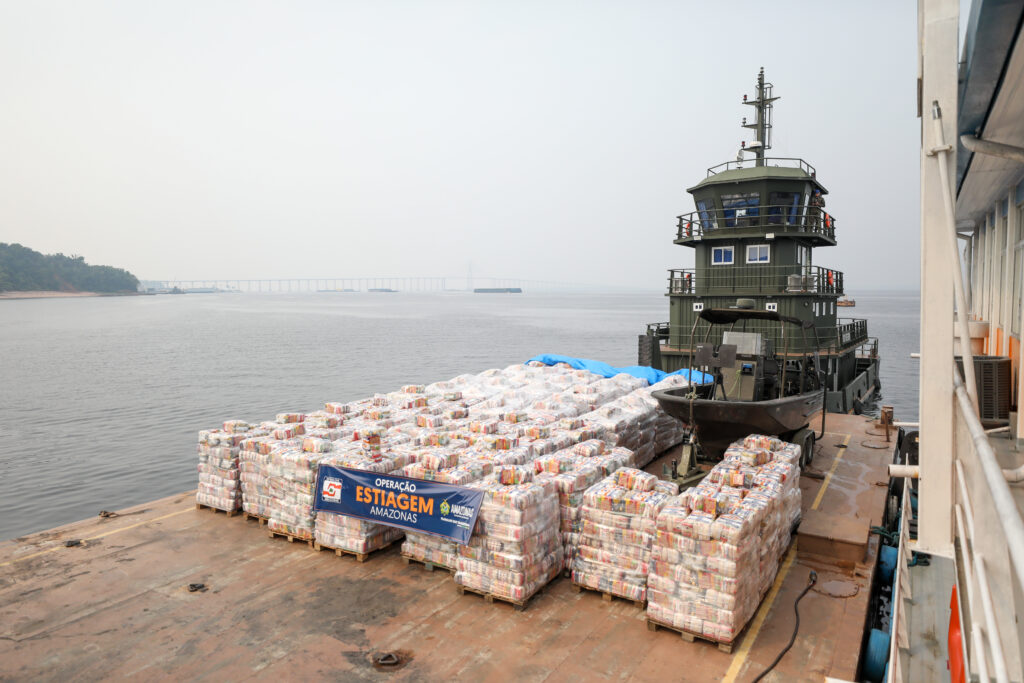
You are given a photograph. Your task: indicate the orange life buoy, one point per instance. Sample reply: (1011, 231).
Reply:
(689, 225)
(828, 221)
(954, 641)
(831, 281)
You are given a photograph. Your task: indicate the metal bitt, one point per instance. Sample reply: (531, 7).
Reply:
(762, 124)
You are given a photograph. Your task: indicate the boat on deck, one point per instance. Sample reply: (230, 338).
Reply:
(766, 393)
(757, 224)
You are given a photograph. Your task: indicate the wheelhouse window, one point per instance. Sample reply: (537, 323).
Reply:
(721, 256)
(783, 207)
(741, 210)
(758, 253)
(705, 207)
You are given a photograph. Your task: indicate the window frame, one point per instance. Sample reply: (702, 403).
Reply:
(732, 255)
(768, 251)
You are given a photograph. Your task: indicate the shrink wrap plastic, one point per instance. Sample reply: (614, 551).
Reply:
(351, 533)
(219, 475)
(515, 548)
(618, 518)
(495, 423)
(636, 421)
(718, 545)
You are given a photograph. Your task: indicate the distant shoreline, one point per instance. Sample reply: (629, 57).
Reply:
(46, 294)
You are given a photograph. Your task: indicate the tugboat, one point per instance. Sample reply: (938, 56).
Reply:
(754, 231)
(844, 301)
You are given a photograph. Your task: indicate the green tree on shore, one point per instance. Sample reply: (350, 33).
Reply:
(24, 269)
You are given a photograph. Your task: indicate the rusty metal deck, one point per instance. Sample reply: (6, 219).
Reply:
(118, 605)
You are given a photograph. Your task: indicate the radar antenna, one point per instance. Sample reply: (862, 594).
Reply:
(762, 124)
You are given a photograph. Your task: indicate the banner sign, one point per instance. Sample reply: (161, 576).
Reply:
(412, 504)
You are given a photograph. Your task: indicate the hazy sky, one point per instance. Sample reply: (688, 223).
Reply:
(544, 140)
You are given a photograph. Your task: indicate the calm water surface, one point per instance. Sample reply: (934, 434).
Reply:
(101, 398)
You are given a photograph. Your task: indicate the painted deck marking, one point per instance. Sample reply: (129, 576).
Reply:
(831, 471)
(740, 658)
(97, 536)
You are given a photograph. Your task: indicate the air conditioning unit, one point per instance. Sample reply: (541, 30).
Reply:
(994, 378)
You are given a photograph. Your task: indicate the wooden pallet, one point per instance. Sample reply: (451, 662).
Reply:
(360, 557)
(518, 605)
(291, 539)
(690, 636)
(429, 566)
(204, 506)
(252, 515)
(608, 597)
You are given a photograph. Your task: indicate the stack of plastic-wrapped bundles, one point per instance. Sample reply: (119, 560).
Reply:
(440, 466)
(291, 477)
(619, 516)
(515, 549)
(636, 421)
(718, 545)
(352, 534)
(219, 485)
(573, 471)
(253, 459)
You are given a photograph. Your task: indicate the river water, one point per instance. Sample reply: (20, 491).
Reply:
(101, 398)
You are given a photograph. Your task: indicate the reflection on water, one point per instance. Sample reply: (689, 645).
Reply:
(103, 397)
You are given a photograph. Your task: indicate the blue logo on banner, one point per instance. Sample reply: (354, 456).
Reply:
(412, 504)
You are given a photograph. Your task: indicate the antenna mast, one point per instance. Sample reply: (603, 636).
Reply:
(762, 124)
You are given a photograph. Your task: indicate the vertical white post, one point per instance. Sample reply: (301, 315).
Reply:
(991, 240)
(1009, 259)
(938, 72)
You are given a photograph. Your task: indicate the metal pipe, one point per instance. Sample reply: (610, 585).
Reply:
(979, 647)
(993, 149)
(941, 152)
(1002, 498)
(900, 471)
(990, 620)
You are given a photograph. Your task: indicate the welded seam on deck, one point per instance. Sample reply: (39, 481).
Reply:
(97, 536)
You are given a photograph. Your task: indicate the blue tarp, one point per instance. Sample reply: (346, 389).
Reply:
(598, 368)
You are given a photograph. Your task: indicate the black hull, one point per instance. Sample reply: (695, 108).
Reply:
(718, 423)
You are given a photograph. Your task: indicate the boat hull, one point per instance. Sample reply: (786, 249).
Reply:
(719, 423)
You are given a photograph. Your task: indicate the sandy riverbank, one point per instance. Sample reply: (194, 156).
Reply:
(42, 294)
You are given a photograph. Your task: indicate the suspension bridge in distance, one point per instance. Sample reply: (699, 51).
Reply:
(362, 284)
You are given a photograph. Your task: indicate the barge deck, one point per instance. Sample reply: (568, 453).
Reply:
(118, 604)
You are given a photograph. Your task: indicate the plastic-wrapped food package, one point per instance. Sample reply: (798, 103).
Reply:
(515, 549)
(435, 549)
(355, 535)
(572, 475)
(718, 545)
(618, 533)
(291, 480)
(219, 476)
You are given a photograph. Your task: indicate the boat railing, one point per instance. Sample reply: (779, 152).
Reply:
(785, 162)
(755, 279)
(988, 535)
(659, 330)
(678, 336)
(868, 350)
(779, 218)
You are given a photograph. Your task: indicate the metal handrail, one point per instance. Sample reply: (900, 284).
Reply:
(800, 163)
(657, 329)
(992, 498)
(785, 218)
(676, 336)
(755, 279)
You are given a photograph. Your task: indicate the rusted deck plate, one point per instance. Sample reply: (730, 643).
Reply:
(118, 606)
